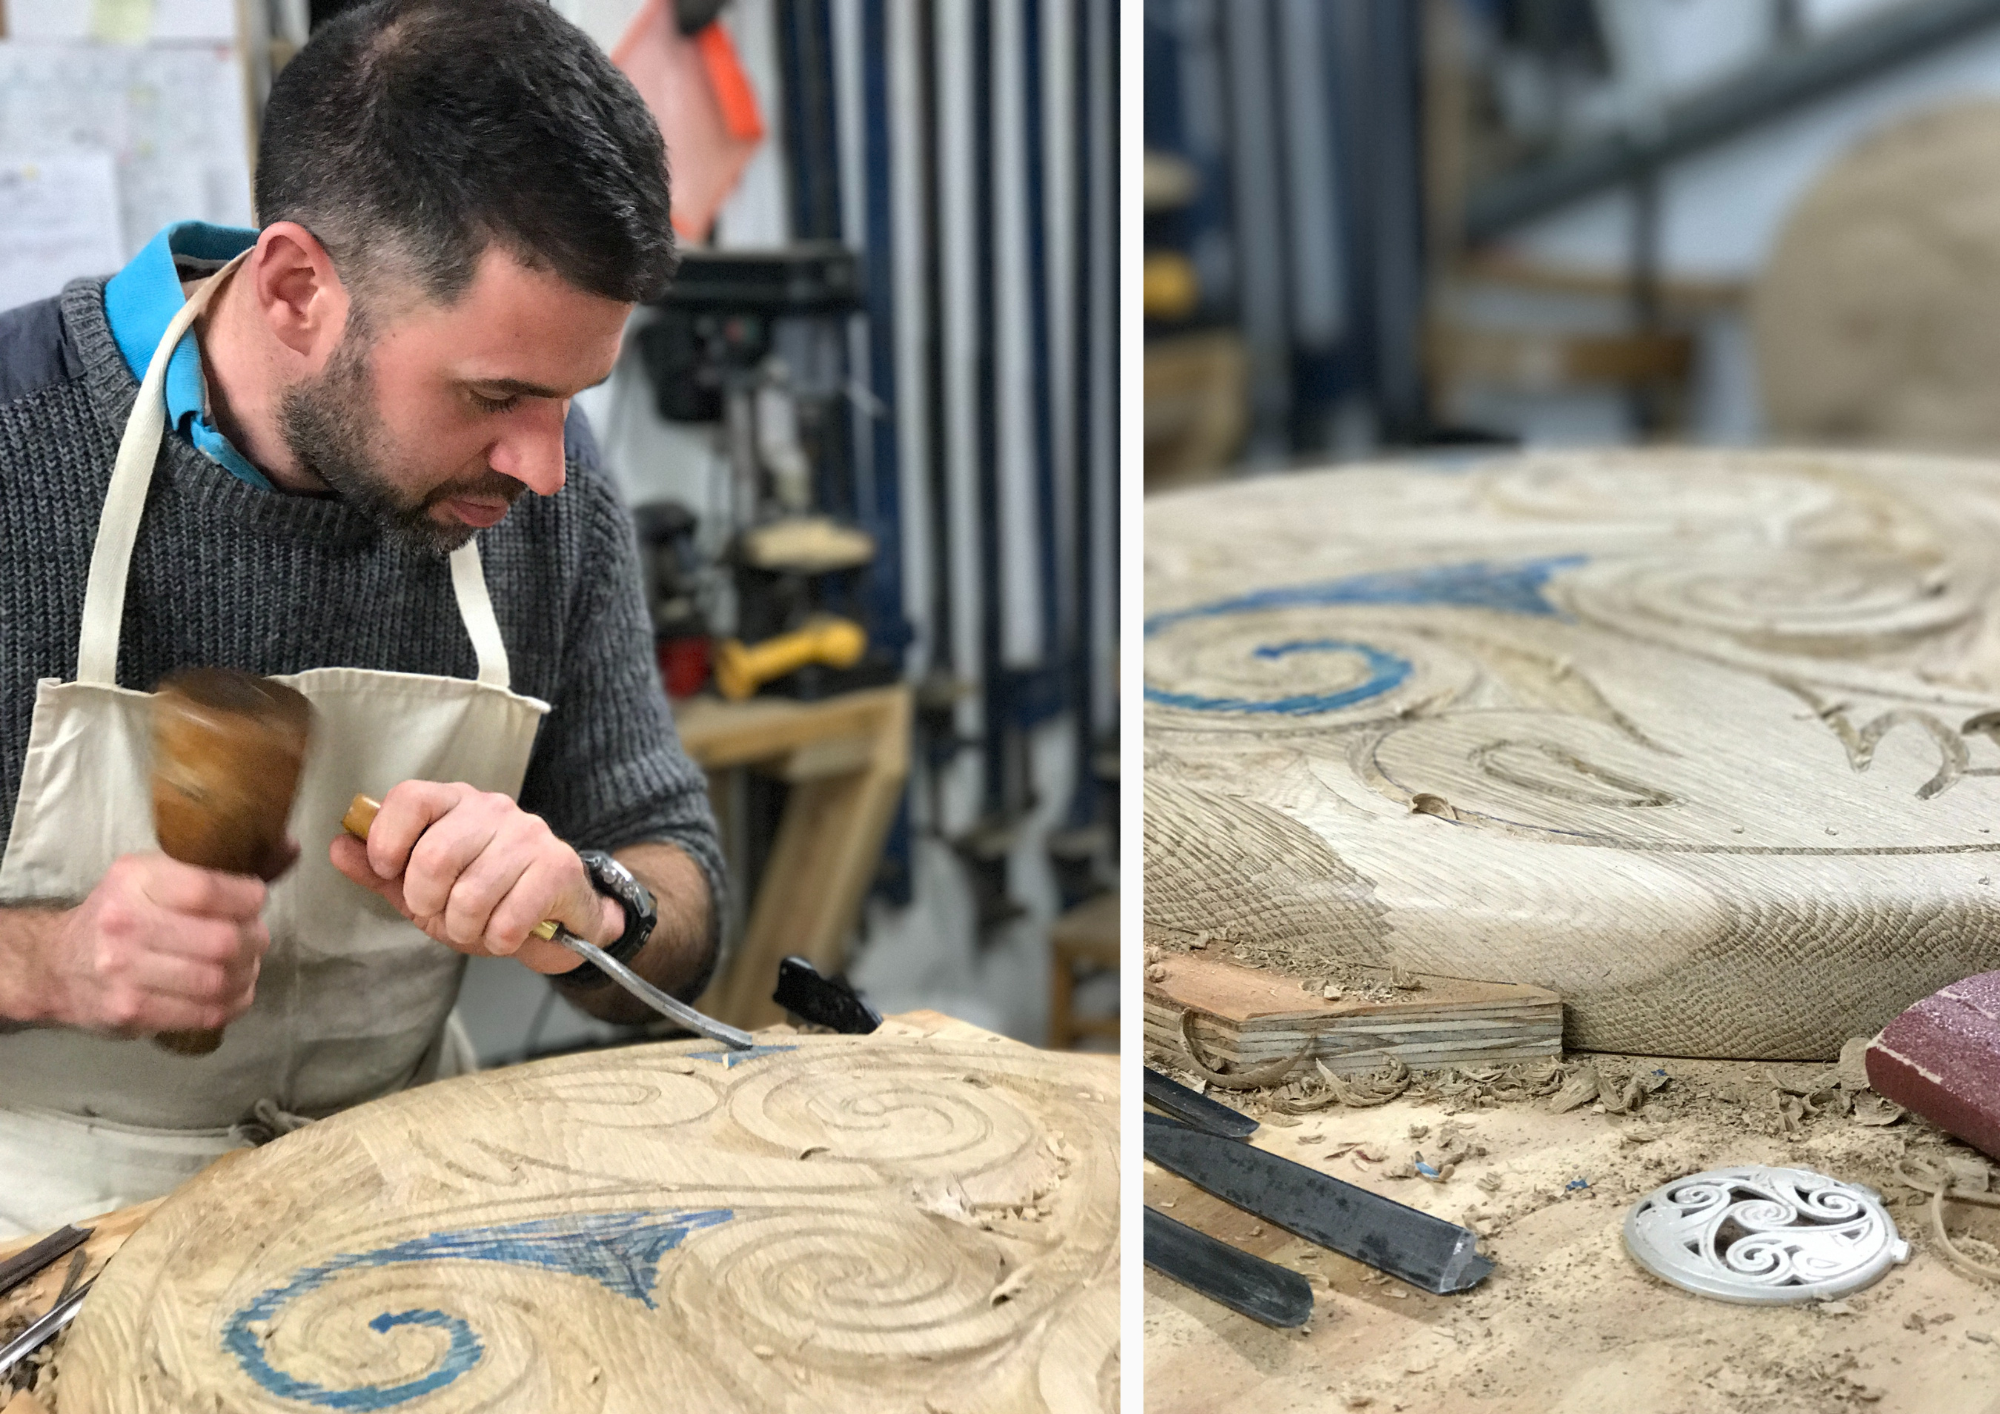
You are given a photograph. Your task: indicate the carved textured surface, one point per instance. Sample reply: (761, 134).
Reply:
(1701, 731)
(838, 1223)
(1214, 861)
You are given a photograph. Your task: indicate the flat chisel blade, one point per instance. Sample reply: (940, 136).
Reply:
(1189, 1107)
(1423, 1250)
(1261, 1290)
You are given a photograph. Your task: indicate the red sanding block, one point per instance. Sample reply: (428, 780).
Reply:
(1941, 1059)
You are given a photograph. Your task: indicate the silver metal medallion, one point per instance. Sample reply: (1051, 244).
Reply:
(1763, 1235)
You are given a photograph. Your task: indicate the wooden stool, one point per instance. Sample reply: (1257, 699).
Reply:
(846, 758)
(1086, 936)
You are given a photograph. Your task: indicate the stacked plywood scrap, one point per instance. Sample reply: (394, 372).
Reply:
(1250, 1018)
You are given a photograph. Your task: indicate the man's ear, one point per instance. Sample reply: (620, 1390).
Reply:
(298, 292)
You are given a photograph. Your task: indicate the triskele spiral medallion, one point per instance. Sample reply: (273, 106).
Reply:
(1764, 1236)
(824, 1223)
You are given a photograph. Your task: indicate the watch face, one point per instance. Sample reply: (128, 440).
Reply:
(616, 880)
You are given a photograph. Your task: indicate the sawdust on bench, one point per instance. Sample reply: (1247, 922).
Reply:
(1568, 1323)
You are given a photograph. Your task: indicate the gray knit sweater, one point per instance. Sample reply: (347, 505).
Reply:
(229, 575)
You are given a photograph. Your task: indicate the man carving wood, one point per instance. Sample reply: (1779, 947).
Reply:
(337, 450)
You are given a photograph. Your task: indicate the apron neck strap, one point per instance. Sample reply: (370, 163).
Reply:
(125, 502)
(475, 606)
(125, 498)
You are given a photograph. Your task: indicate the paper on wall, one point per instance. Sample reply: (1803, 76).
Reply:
(171, 117)
(58, 220)
(124, 21)
(121, 21)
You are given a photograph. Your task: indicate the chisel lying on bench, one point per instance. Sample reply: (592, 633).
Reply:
(1261, 1290)
(1423, 1250)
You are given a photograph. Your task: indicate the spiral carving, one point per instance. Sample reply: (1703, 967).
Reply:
(1703, 492)
(1297, 668)
(850, 1220)
(317, 1310)
(881, 1292)
(920, 1123)
(1790, 604)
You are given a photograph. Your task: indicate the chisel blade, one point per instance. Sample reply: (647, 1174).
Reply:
(1425, 1251)
(1261, 1290)
(1198, 1110)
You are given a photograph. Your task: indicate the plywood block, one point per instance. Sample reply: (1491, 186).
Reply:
(1250, 1017)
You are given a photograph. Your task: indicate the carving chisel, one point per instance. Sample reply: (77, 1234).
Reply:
(361, 814)
(1423, 1250)
(43, 1330)
(22, 1265)
(1190, 1107)
(1261, 1290)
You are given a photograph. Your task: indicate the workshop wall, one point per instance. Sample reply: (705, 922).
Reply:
(1466, 223)
(970, 161)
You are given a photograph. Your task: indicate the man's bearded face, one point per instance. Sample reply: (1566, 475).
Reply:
(332, 426)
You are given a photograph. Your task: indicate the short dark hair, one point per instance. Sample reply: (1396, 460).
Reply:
(417, 132)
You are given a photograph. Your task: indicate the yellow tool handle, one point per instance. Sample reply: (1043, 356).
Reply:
(741, 669)
(361, 812)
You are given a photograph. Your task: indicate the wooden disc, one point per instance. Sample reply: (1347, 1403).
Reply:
(1695, 739)
(826, 1223)
(1877, 317)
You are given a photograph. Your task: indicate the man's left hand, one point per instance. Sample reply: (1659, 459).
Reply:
(476, 872)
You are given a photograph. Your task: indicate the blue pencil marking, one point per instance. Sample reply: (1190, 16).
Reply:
(1385, 672)
(620, 1250)
(1507, 589)
(729, 1060)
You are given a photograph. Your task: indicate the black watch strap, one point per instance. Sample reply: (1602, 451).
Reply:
(615, 881)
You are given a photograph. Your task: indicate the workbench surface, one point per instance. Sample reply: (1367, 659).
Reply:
(1568, 1323)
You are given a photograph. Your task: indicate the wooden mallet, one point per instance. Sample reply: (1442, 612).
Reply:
(227, 749)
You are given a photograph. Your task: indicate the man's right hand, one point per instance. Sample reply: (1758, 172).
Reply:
(157, 946)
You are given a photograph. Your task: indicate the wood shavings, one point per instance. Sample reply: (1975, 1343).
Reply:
(1939, 1180)
(1579, 1089)
(1256, 1078)
(1873, 1109)
(1013, 1286)
(1362, 1092)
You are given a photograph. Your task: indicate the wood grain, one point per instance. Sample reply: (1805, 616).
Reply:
(1250, 1018)
(1697, 740)
(828, 1223)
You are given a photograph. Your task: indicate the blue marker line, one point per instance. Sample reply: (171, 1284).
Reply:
(1385, 672)
(729, 1060)
(1509, 589)
(620, 1250)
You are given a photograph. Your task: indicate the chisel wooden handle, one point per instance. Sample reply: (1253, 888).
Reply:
(360, 817)
(227, 750)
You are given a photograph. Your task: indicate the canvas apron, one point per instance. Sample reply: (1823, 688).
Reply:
(352, 1000)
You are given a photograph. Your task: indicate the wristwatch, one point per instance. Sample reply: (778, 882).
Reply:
(615, 881)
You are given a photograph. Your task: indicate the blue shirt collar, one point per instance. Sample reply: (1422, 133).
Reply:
(142, 299)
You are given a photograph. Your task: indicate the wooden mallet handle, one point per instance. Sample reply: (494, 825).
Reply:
(227, 750)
